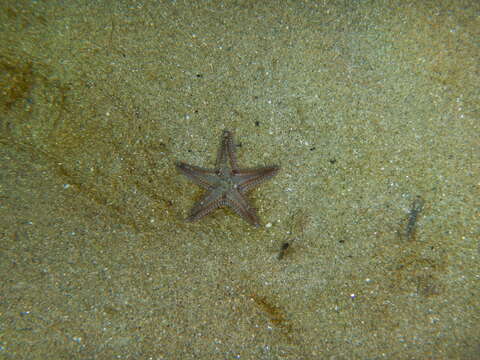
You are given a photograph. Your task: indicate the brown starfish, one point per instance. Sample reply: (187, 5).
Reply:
(227, 184)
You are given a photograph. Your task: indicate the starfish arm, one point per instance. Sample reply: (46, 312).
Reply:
(248, 179)
(227, 152)
(210, 201)
(204, 178)
(237, 202)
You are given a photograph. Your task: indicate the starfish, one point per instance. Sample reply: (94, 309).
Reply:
(226, 184)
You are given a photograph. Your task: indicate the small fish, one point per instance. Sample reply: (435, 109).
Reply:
(413, 214)
(283, 250)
